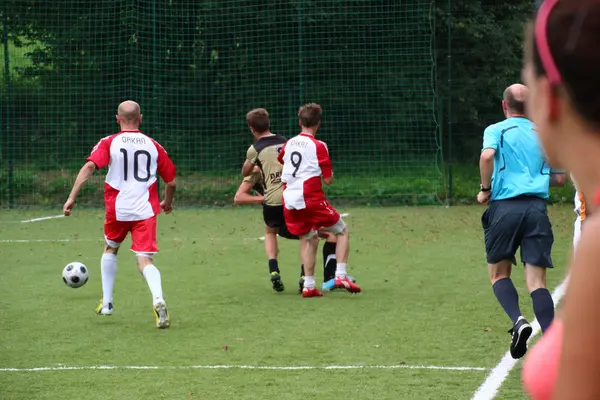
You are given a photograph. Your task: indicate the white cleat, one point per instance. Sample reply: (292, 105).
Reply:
(101, 310)
(163, 320)
(106, 311)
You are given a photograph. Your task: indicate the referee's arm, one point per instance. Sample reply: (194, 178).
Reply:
(491, 142)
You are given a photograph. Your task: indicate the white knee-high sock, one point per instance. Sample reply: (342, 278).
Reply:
(152, 275)
(108, 268)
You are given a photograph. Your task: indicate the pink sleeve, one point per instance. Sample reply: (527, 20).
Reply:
(166, 168)
(281, 154)
(100, 154)
(324, 160)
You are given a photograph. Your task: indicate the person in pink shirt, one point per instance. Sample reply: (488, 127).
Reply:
(562, 72)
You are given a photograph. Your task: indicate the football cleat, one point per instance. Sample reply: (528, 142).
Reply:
(346, 283)
(314, 292)
(277, 282)
(301, 284)
(520, 334)
(163, 319)
(330, 284)
(101, 310)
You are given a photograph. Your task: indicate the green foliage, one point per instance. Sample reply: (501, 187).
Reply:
(198, 67)
(485, 57)
(386, 72)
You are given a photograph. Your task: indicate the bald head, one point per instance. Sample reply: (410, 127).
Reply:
(129, 114)
(514, 98)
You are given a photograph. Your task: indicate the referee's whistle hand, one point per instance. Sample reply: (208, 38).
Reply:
(483, 197)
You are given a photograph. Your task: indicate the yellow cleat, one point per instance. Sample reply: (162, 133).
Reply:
(163, 319)
(101, 310)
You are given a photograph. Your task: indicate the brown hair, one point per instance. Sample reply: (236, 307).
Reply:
(258, 119)
(572, 33)
(310, 114)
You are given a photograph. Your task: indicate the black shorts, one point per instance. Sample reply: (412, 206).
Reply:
(520, 222)
(273, 216)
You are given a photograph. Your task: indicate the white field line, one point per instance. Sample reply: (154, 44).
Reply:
(74, 240)
(42, 218)
(489, 388)
(42, 240)
(253, 367)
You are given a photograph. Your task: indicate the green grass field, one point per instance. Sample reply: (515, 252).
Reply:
(426, 302)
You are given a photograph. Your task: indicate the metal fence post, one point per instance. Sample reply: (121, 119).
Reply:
(300, 50)
(11, 194)
(449, 106)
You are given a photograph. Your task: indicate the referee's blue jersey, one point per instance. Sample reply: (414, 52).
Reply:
(519, 164)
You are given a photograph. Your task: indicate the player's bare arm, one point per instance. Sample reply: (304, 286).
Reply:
(325, 163)
(167, 171)
(558, 179)
(486, 170)
(167, 203)
(248, 168)
(82, 177)
(244, 196)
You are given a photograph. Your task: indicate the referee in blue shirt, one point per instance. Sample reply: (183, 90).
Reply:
(515, 181)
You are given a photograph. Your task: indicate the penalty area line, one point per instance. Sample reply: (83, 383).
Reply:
(251, 367)
(489, 388)
(42, 219)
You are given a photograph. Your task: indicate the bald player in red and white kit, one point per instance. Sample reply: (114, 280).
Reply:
(306, 164)
(132, 202)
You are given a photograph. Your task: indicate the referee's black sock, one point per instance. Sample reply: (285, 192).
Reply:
(507, 296)
(329, 261)
(273, 266)
(543, 307)
(302, 271)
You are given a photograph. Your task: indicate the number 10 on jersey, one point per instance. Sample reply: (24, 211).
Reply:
(136, 165)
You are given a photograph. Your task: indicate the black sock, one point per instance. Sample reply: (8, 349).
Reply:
(329, 263)
(507, 296)
(302, 271)
(273, 266)
(543, 307)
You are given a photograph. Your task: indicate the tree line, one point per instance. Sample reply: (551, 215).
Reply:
(393, 75)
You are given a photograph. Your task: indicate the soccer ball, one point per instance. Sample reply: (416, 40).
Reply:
(75, 274)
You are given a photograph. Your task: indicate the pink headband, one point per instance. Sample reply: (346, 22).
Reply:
(541, 40)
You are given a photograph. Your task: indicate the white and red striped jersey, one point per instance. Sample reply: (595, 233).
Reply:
(305, 160)
(131, 187)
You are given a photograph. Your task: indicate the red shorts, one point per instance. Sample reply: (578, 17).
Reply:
(316, 215)
(143, 234)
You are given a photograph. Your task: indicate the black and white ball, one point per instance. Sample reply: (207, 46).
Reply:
(75, 274)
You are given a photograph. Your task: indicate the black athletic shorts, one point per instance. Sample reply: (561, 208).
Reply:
(273, 216)
(519, 222)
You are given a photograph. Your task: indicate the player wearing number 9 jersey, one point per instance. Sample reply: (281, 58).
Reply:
(306, 164)
(132, 202)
